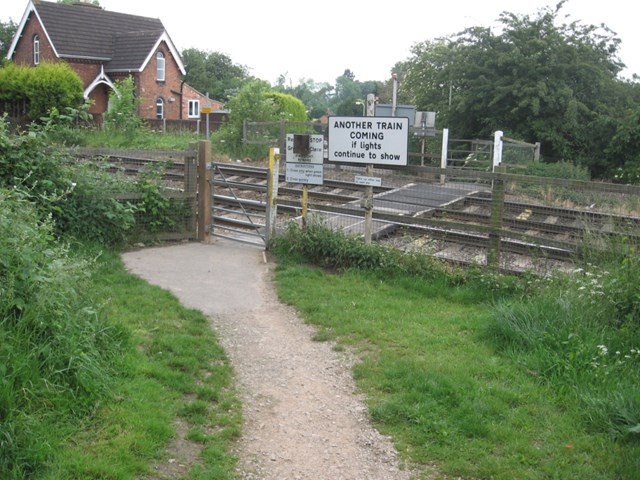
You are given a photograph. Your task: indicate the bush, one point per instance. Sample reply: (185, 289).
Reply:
(565, 170)
(49, 85)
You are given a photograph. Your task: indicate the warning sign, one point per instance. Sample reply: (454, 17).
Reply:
(371, 140)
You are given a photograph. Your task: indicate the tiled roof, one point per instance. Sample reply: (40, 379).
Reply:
(123, 41)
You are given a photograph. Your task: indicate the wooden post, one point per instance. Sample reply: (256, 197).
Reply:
(368, 207)
(497, 209)
(305, 202)
(204, 190)
(272, 193)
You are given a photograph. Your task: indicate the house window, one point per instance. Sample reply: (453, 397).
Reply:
(159, 108)
(160, 62)
(194, 108)
(36, 49)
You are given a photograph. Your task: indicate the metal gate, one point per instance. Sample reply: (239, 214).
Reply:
(238, 209)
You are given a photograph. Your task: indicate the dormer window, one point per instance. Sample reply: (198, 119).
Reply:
(160, 62)
(36, 49)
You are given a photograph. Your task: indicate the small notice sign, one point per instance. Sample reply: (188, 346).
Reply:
(305, 173)
(368, 181)
(304, 148)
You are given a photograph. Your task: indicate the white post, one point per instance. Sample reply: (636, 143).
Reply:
(445, 149)
(497, 149)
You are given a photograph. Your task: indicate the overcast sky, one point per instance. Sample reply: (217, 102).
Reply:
(319, 40)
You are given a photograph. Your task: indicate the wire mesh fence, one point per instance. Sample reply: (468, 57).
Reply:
(474, 216)
(158, 187)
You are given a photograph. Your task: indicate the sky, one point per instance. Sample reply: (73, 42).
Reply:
(319, 40)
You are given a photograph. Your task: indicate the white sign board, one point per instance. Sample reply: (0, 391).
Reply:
(371, 140)
(368, 181)
(316, 144)
(305, 173)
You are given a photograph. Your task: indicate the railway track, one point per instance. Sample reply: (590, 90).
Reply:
(525, 228)
(239, 199)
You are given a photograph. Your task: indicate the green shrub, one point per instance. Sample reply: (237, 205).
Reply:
(48, 86)
(90, 211)
(565, 170)
(26, 163)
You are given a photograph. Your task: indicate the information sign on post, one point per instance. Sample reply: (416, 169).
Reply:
(304, 159)
(369, 140)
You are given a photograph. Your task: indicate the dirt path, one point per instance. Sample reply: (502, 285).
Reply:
(303, 416)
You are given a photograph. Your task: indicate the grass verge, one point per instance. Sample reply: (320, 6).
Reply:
(172, 377)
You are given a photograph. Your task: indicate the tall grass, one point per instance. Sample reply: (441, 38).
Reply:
(56, 349)
(581, 334)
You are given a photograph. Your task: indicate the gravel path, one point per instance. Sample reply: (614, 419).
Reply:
(304, 418)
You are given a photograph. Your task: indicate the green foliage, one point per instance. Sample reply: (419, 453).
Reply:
(47, 86)
(123, 115)
(90, 211)
(53, 86)
(540, 78)
(66, 127)
(289, 107)
(565, 170)
(315, 96)
(7, 31)
(56, 349)
(327, 248)
(172, 359)
(79, 198)
(25, 163)
(214, 73)
(255, 102)
(155, 209)
(581, 335)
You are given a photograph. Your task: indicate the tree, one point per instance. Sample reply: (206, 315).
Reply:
(315, 96)
(7, 31)
(350, 94)
(214, 73)
(539, 79)
(256, 102)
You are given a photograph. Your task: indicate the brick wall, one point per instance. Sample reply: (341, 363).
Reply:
(23, 55)
(150, 89)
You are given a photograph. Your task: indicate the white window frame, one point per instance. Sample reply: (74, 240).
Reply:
(160, 67)
(194, 108)
(159, 108)
(36, 49)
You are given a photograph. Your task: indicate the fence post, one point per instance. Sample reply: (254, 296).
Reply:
(445, 152)
(204, 190)
(497, 209)
(191, 185)
(272, 194)
(497, 149)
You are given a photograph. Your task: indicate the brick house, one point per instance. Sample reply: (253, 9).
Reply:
(104, 47)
